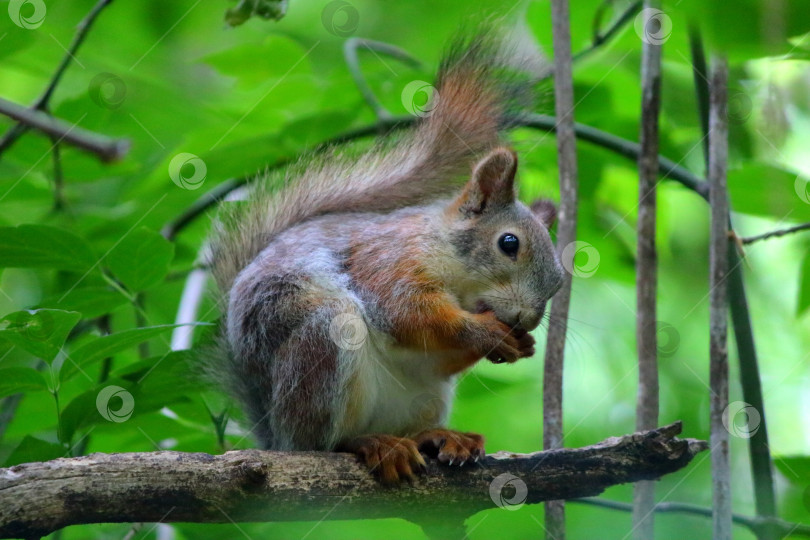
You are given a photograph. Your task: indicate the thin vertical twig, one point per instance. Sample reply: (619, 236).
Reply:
(566, 234)
(759, 450)
(718, 262)
(647, 269)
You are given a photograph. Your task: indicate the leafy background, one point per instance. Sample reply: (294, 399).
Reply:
(89, 291)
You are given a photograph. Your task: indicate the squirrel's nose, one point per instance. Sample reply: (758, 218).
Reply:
(528, 319)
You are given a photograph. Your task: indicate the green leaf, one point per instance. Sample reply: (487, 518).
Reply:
(42, 246)
(106, 346)
(770, 191)
(41, 332)
(804, 287)
(91, 302)
(141, 259)
(795, 468)
(151, 384)
(32, 449)
(15, 380)
(256, 63)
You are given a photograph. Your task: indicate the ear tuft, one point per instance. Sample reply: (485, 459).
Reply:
(492, 182)
(545, 210)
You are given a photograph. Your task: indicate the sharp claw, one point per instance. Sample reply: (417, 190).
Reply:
(477, 458)
(450, 462)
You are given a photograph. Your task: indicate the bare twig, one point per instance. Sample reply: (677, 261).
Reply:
(105, 148)
(566, 234)
(42, 102)
(700, 75)
(350, 49)
(254, 485)
(59, 202)
(776, 233)
(756, 525)
(647, 269)
(600, 38)
(666, 167)
(759, 450)
(718, 257)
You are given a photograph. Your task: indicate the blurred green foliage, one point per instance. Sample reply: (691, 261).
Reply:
(88, 292)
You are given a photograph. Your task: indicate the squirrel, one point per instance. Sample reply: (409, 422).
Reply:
(356, 292)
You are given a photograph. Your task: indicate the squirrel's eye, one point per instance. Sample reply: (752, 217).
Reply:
(509, 244)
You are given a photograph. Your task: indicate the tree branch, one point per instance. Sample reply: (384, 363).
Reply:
(105, 148)
(350, 49)
(718, 294)
(41, 103)
(776, 233)
(566, 235)
(254, 485)
(756, 525)
(647, 400)
(628, 149)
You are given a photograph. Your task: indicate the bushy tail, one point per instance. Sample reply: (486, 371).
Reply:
(483, 80)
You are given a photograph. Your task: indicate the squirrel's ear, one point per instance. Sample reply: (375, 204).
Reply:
(492, 182)
(546, 211)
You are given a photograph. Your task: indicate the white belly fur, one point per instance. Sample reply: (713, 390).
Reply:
(398, 391)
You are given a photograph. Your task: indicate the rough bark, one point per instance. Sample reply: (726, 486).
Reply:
(718, 315)
(566, 235)
(254, 485)
(647, 270)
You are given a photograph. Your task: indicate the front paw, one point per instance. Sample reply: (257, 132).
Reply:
(504, 344)
(451, 447)
(523, 342)
(392, 459)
